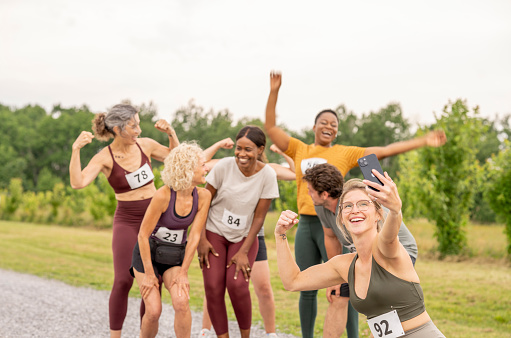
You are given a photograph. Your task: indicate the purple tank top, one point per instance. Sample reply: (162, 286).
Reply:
(117, 178)
(172, 228)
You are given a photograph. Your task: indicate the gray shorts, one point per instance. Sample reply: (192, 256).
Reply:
(428, 330)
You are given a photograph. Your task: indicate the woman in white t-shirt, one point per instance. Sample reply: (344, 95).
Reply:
(242, 189)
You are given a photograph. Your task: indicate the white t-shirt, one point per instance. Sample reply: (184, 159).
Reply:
(232, 209)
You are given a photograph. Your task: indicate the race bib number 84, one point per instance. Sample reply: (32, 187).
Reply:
(140, 177)
(233, 221)
(386, 325)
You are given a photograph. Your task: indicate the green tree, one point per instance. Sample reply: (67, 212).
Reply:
(498, 190)
(449, 175)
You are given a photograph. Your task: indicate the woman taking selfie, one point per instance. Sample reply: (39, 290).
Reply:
(383, 283)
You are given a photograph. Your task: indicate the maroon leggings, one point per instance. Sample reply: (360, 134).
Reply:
(217, 278)
(127, 219)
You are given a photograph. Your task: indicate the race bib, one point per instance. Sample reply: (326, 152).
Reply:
(311, 162)
(233, 221)
(386, 325)
(170, 236)
(140, 177)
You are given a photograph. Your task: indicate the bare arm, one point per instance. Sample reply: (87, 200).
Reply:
(276, 134)
(435, 138)
(288, 159)
(332, 245)
(158, 205)
(283, 173)
(241, 257)
(204, 246)
(158, 151)
(314, 278)
(226, 143)
(81, 178)
(198, 225)
(387, 241)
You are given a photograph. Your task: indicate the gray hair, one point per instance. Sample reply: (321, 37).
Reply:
(118, 116)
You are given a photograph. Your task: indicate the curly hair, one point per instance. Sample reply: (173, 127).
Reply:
(180, 166)
(119, 116)
(325, 177)
(351, 185)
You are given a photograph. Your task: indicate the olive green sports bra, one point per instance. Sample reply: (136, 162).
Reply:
(386, 293)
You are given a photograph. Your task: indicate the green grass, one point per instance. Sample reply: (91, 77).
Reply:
(466, 296)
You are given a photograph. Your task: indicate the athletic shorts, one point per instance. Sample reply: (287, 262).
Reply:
(345, 290)
(261, 254)
(136, 262)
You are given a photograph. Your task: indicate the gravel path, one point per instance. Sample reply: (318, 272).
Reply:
(31, 306)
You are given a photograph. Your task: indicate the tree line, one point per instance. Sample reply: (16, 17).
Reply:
(467, 178)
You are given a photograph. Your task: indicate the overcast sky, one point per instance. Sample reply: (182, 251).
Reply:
(364, 54)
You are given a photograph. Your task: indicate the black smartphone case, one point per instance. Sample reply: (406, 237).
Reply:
(368, 163)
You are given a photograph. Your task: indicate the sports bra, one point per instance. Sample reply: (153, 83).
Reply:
(386, 293)
(117, 178)
(172, 225)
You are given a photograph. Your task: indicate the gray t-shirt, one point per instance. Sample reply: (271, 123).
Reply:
(232, 209)
(328, 220)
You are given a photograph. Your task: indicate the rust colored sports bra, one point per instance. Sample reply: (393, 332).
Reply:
(117, 178)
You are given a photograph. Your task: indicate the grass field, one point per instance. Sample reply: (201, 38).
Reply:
(466, 296)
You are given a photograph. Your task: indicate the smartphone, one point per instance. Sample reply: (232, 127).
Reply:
(367, 164)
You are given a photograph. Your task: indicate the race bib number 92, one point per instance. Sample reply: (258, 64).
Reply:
(386, 325)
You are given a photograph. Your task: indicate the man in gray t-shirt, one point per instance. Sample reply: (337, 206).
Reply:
(325, 182)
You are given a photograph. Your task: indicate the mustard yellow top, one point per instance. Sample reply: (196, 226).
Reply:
(308, 155)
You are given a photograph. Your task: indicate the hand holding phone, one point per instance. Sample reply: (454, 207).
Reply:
(367, 164)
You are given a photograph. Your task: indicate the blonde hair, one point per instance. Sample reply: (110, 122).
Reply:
(351, 185)
(118, 116)
(180, 166)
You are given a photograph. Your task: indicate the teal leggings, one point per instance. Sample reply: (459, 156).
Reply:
(310, 250)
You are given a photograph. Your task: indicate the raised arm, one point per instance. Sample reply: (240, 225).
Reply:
(158, 151)
(288, 159)
(387, 241)
(434, 138)
(226, 143)
(81, 178)
(276, 134)
(314, 278)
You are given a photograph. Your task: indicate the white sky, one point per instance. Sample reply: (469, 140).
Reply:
(364, 54)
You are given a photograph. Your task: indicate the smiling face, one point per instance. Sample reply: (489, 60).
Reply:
(132, 130)
(246, 153)
(325, 129)
(199, 174)
(359, 221)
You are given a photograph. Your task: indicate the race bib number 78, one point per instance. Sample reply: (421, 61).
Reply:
(140, 177)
